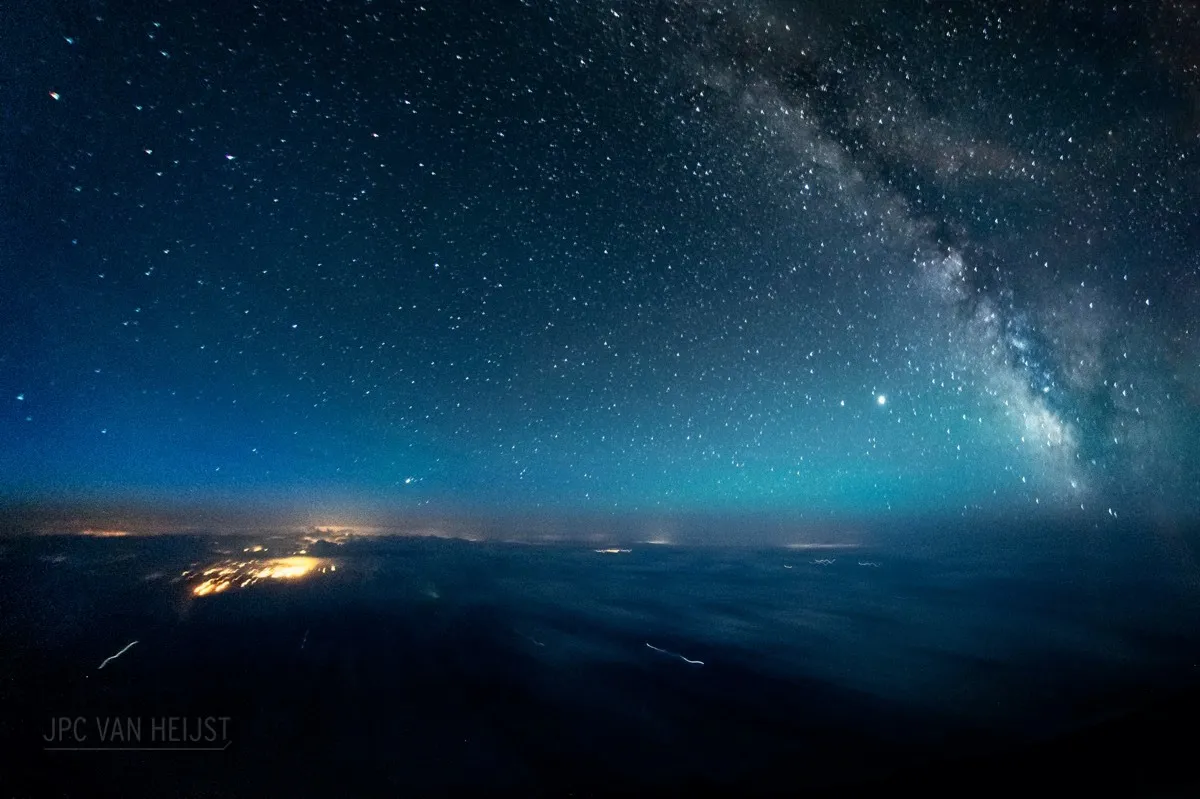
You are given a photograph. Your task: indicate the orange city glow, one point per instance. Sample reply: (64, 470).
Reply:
(243, 574)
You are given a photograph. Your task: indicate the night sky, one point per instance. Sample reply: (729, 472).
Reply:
(820, 259)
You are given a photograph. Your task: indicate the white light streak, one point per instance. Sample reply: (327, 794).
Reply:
(687, 660)
(114, 657)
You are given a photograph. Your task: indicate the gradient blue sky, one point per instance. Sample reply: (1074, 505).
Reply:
(837, 262)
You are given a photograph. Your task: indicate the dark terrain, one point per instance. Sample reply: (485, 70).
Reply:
(429, 666)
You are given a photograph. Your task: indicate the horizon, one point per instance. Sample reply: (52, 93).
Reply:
(765, 529)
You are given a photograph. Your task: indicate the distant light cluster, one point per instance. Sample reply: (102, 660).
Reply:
(227, 574)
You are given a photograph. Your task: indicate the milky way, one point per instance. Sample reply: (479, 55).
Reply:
(834, 260)
(851, 119)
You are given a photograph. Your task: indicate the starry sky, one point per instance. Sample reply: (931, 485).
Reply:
(837, 259)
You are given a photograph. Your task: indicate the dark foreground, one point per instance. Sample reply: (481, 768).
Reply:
(415, 667)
